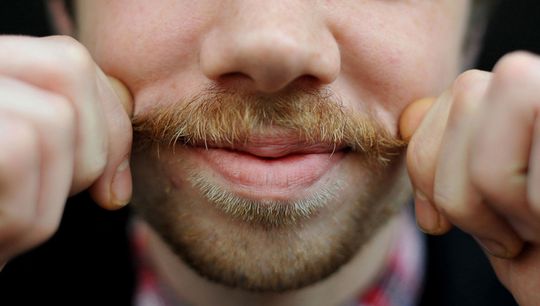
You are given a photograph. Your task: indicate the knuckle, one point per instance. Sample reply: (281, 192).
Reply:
(16, 147)
(90, 171)
(479, 173)
(486, 178)
(454, 208)
(42, 231)
(469, 79)
(61, 118)
(467, 91)
(15, 222)
(17, 158)
(89, 168)
(74, 57)
(442, 200)
(61, 39)
(469, 84)
(515, 67)
(63, 112)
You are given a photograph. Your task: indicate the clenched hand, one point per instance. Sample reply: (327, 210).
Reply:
(64, 127)
(474, 161)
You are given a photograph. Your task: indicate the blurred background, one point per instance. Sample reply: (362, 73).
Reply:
(97, 246)
(23, 17)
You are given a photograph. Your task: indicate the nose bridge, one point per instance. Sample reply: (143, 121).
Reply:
(272, 43)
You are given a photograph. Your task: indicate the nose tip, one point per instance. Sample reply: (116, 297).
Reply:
(269, 59)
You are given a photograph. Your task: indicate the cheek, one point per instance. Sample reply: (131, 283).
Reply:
(393, 57)
(141, 41)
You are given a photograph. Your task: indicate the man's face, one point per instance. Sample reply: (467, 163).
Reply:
(266, 151)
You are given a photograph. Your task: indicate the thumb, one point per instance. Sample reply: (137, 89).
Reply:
(422, 156)
(412, 117)
(123, 94)
(113, 188)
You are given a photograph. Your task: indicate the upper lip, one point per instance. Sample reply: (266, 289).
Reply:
(276, 146)
(280, 150)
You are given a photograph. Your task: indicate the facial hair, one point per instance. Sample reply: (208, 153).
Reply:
(293, 255)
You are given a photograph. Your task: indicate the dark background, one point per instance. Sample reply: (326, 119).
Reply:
(515, 26)
(90, 253)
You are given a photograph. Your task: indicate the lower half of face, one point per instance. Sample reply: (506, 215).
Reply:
(259, 178)
(265, 224)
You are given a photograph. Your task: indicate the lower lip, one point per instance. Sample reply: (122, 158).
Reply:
(287, 176)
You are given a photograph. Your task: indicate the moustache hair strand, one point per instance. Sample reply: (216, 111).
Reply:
(218, 117)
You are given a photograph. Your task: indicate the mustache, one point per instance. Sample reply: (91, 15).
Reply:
(228, 117)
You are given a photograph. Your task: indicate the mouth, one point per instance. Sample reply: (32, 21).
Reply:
(270, 168)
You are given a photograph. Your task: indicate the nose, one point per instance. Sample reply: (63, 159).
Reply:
(270, 44)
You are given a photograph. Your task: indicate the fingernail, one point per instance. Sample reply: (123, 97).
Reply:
(121, 185)
(494, 248)
(427, 217)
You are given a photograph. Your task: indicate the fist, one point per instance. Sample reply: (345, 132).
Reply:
(63, 128)
(474, 162)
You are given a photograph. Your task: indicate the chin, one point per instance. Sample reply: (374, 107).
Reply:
(265, 224)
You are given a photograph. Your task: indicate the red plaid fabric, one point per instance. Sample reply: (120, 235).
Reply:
(399, 284)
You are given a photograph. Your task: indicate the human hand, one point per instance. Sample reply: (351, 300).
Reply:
(473, 159)
(64, 128)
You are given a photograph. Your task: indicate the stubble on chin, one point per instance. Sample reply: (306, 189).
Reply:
(267, 246)
(270, 256)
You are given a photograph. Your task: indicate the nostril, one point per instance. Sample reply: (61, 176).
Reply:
(242, 81)
(234, 76)
(268, 59)
(235, 80)
(307, 81)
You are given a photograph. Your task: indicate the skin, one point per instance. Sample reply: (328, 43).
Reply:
(171, 48)
(57, 138)
(488, 192)
(267, 50)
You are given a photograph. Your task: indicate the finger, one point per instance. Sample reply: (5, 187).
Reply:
(423, 149)
(520, 276)
(412, 116)
(533, 181)
(63, 66)
(428, 218)
(422, 156)
(502, 143)
(101, 123)
(123, 95)
(113, 189)
(53, 119)
(19, 182)
(454, 193)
